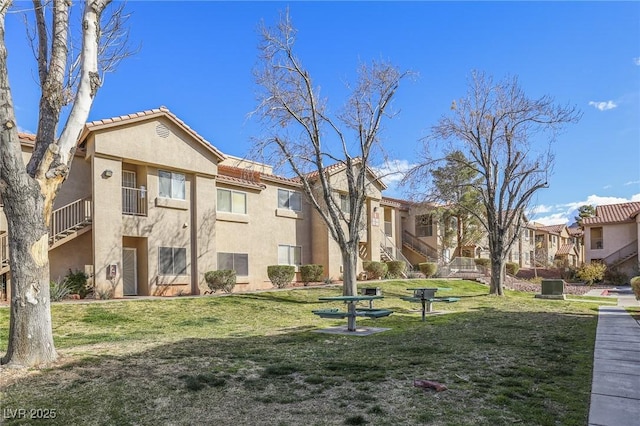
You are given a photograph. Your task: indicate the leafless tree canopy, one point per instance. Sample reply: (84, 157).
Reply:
(506, 138)
(303, 135)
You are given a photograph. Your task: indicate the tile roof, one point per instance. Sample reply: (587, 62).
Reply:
(551, 229)
(614, 213)
(26, 137)
(565, 249)
(145, 115)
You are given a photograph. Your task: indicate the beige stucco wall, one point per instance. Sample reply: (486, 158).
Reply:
(614, 237)
(260, 231)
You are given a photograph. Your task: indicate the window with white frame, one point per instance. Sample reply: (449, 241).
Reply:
(238, 262)
(232, 201)
(172, 261)
(171, 185)
(345, 203)
(291, 200)
(289, 255)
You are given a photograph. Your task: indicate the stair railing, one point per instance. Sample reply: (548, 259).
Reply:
(387, 245)
(70, 217)
(420, 246)
(622, 254)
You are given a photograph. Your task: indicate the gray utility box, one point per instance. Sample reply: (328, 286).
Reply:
(371, 291)
(552, 289)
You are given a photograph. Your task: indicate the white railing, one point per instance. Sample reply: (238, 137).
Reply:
(134, 201)
(70, 217)
(394, 252)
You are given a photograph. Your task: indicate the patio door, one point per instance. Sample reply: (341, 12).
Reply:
(129, 272)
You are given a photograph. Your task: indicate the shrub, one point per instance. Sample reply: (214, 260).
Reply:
(635, 286)
(591, 272)
(395, 268)
(77, 283)
(512, 268)
(615, 276)
(223, 279)
(311, 273)
(428, 269)
(281, 275)
(375, 270)
(483, 262)
(58, 290)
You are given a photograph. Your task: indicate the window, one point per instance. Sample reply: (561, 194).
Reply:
(424, 225)
(232, 201)
(238, 262)
(289, 255)
(597, 240)
(172, 261)
(171, 185)
(289, 200)
(345, 204)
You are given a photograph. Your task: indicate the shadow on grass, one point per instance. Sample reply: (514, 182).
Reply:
(507, 367)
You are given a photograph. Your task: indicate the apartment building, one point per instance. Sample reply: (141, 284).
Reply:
(612, 236)
(150, 206)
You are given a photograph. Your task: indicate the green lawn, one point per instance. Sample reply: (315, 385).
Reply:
(252, 359)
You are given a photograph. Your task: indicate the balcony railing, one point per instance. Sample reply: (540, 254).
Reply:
(134, 201)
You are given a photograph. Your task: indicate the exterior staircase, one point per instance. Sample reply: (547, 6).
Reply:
(389, 252)
(418, 246)
(627, 252)
(67, 223)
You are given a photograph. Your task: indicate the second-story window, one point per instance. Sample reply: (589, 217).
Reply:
(232, 201)
(345, 204)
(424, 225)
(289, 200)
(172, 185)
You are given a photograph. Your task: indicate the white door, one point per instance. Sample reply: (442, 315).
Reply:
(129, 272)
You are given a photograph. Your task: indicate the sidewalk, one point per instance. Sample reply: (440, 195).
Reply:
(615, 388)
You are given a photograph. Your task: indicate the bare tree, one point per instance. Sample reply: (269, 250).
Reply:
(506, 138)
(29, 190)
(304, 136)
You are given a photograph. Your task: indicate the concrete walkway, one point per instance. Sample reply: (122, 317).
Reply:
(615, 387)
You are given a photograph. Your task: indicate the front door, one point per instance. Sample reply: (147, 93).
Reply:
(129, 272)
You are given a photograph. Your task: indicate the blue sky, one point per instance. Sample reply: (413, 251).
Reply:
(196, 58)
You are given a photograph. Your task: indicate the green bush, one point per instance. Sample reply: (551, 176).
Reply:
(58, 291)
(375, 270)
(591, 272)
(428, 269)
(481, 261)
(223, 279)
(311, 273)
(512, 268)
(395, 268)
(281, 275)
(635, 286)
(77, 283)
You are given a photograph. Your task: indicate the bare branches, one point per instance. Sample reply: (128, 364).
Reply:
(304, 135)
(502, 133)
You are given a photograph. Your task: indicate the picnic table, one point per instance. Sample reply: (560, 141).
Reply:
(352, 310)
(426, 296)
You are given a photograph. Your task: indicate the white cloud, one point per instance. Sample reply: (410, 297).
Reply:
(603, 106)
(566, 213)
(632, 182)
(393, 171)
(636, 61)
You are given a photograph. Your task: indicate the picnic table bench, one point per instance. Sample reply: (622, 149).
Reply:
(352, 310)
(426, 296)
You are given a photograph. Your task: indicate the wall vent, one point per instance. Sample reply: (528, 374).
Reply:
(162, 130)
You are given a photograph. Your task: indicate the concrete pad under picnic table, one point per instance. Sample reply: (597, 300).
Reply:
(360, 331)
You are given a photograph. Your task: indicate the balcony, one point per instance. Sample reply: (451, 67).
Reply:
(134, 201)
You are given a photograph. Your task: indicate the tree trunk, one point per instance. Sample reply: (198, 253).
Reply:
(30, 330)
(349, 271)
(497, 275)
